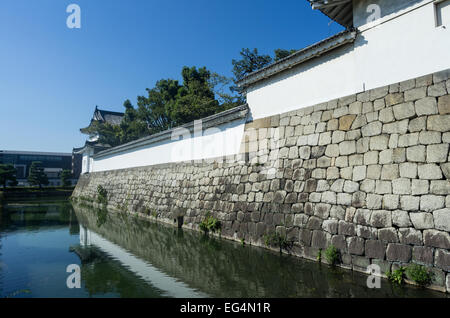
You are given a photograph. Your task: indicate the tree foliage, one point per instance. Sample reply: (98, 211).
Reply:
(281, 54)
(65, 176)
(37, 175)
(170, 104)
(8, 175)
(252, 61)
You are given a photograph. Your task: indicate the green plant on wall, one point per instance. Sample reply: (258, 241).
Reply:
(210, 224)
(102, 195)
(319, 255)
(397, 276)
(420, 274)
(332, 255)
(275, 239)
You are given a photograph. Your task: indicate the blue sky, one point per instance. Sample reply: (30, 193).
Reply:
(52, 77)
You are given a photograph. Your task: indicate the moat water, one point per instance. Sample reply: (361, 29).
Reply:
(122, 256)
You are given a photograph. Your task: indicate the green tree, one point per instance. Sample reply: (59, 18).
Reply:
(37, 175)
(195, 99)
(154, 109)
(65, 176)
(8, 175)
(281, 54)
(222, 87)
(132, 126)
(250, 61)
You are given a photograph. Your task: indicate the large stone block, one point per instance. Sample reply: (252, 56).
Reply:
(394, 99)
(423, 255)
(346, 228)
(339, 241)
(381, 219)
(409, 203)
(437, 153)
(398, 252)
(416, 153)
(356, 245)
(379, 142)
(390, 201)
(438, 123)
(430, 203)
(320, 239)
(415, 93)
(419, 187)
(401, 218)
(436, 238)
(403, 111)
(430, 137)
(442, 219)
(441, 187)
(375, 249)
(330, 226)
(410, 236)
(345, 122)
(366, 232)
(372, 129)
(401, 186)
(426, 106)
(362, 216)
(396, 127)
(388, 235)
(437, 90)
(347, 147)
(442, 259)
(429, 172)
(444, 104)
(422, 221)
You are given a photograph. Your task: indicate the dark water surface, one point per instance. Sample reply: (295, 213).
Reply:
(121, 256)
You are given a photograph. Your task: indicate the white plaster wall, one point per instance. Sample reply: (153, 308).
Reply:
(211, 143)
(85, 163)
(395, 48)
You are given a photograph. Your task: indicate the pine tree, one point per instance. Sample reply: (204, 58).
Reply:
(8, 175)
(66, 175)
(37, 175)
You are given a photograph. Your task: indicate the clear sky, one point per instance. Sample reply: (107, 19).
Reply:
(52, 77)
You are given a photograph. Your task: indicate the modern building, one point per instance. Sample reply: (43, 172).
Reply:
(52, 162)
(92, 145)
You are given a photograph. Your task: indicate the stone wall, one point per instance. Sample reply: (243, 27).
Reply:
(368, 173)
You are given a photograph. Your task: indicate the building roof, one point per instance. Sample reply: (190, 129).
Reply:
(215, 120)
(299, 57)
(89, 144)
(340, 11)
(34, 153)
(104, 116)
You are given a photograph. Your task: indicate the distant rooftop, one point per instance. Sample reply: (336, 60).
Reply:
(104, 116)
(340, 11)
(36, 153)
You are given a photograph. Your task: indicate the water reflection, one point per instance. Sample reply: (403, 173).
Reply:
(181, 263)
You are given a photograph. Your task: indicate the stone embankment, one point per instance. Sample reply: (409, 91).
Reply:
(368, 173)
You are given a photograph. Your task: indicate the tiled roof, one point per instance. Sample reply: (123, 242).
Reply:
(301, 56)
(104, 116)
(340, 11)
